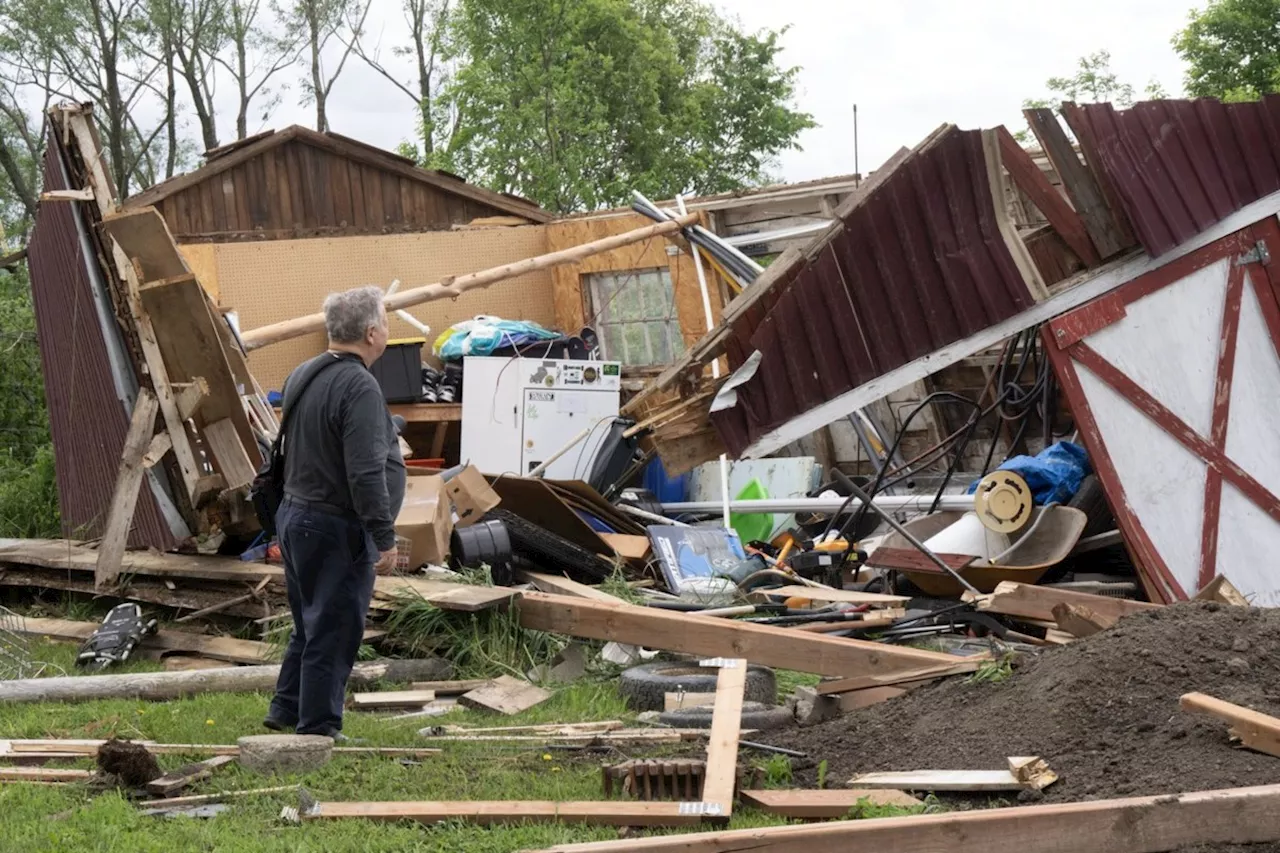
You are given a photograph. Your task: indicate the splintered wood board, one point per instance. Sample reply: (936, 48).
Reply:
(864, 682)
(450, 688)
(1037, 602)
(43, 774)
(823, 803)
(505, 695)
(392, 699)
(65, 554)
(176, 780)
(227, 649)
(446, 596)
(941, 780)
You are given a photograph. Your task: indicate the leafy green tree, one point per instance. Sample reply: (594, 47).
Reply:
(1093, 82)
(574, 103)
(1232, 49)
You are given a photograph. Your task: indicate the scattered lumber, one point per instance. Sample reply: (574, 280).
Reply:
(447, 596)
(563, 586)
(609, 813)
(863, 682)
(541, 728)
(1037, 602)
(65, 554)
(1024, 773)
(705, 635)
(176, 780)
(1135, 825)
(823, 804)
(505, 695)
(1223, 591)
(392, 700)
(1081, 621)
(144, 590)
(1254, 730)
(826, 593)
(43, 774)
(172, 685)
(722, 743)
(219, 648)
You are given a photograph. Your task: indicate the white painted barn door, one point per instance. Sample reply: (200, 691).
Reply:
(1174, 380)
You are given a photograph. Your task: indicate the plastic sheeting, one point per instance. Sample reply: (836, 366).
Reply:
(1054, 474)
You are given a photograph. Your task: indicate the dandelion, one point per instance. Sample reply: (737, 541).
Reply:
(208, 722)
(546, 756)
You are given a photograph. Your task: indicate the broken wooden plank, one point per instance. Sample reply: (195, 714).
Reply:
(722, 743)
(824, 804)
(1037, 602)
(224, 605)
(631, 737)
(1080, 620)
(189, 395)
(563, 586)
(1032, 771)
(941, 780)
(65, 554)
(1028, 177)
(539, 728)
(1223, 591)
(516, 811)
(124, 498)
(144, 236)
(233, 462)
(450, 688)
(855, 699)
(1152, 824)
(201, 799)
(1255, 730)
(176, 780)
(465, 598)
(89, 747)
(863, 682)
(392, 700)
(505, 695)
(707, 635)
(44, 774)
(1081, 187)
(1027, 268)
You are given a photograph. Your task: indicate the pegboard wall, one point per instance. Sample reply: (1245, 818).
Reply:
(270, 281)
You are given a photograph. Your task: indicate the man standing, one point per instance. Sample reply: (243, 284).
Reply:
(344, 481)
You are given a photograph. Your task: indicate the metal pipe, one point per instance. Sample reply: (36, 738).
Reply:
(961, 503)
(908, 535)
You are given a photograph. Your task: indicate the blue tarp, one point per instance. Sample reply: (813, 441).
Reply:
(483, 335)
(1054, 474)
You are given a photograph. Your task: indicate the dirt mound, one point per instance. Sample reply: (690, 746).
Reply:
(1103, 712)
(130, 762)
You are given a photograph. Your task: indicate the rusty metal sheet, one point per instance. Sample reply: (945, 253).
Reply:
(87, 418)
(1179, 166)
(919, 264)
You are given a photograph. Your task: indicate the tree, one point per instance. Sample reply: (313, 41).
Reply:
(257, 56)
(319, 21)
(426, 20)
(1232, 49)
(574, 103)
(1094, 82)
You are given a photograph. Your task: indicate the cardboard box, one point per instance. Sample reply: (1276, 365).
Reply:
(472, 496)
(425, 519)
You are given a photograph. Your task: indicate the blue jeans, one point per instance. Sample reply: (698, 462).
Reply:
(328, 570)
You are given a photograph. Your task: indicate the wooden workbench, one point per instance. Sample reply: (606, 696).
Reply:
(421, 417)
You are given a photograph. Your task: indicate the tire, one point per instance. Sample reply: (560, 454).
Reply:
(644, 686)
(755, 715)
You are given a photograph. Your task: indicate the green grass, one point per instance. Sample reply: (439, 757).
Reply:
(993, 671)
(41, 819)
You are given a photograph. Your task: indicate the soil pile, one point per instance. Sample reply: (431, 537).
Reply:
(130, 762)
(1103, 712)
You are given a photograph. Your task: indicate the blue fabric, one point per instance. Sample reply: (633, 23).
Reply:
(483, 335)
(1054, 474)
(596, 524)
(328, 572)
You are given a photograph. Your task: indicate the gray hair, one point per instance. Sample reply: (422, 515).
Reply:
(348, 315)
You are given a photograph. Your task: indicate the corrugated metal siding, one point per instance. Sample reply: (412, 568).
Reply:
(918, 265)
(87, 419)
(1179, 166)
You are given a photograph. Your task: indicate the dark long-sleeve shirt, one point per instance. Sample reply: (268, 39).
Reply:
(341, 448)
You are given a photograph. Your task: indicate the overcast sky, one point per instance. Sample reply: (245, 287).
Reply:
(909, 65)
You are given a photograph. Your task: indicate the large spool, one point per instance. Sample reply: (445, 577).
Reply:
(1003, 502)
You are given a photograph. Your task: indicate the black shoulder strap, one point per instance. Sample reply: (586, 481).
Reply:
(287, 406)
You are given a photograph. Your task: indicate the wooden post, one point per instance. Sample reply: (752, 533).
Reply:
(722, 744)
(453, 287)
(125, 497)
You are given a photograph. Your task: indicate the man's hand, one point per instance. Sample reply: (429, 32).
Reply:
(387, 559)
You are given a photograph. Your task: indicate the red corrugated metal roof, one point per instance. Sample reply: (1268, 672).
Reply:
(87, 418)
(1179, 166)
(918, 264)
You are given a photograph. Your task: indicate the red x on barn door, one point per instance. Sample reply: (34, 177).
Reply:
(1174, 381)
